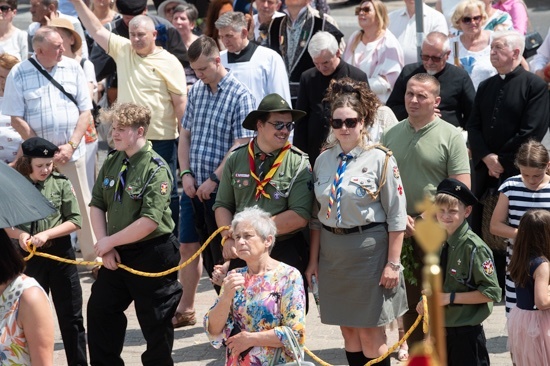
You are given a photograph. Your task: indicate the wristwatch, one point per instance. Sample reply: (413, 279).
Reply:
(74, 145)
(214, 178)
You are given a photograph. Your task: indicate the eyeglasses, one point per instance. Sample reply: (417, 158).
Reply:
(5, 8)
(365, 9)
(433, 58)
(337, 123)
(278, 125)
(468, 20)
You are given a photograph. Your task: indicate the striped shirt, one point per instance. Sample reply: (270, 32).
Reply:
(520, 200)
(50, 113)
(215, 122)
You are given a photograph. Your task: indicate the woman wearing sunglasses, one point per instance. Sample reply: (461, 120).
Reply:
(472, 48)
(374, 49)
(357, 234)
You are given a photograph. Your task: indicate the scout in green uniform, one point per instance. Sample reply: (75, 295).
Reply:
(470, 284)
(132, 221)
(274, 175)
(52, 235)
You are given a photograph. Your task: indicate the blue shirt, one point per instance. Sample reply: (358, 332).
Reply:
(215, 122)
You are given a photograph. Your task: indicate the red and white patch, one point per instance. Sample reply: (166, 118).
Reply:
(164, 188)
(488, 267)
(400, 190)
(453, 271)
(396, 172)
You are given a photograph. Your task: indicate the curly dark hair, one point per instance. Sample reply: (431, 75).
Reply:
(356, 95)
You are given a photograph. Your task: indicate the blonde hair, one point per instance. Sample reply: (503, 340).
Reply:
(465, 5)
(381, 13)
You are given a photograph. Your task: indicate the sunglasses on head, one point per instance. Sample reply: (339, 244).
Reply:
(468, 20)
(433, 58)
(5, 8)
(365, 9)
(278, 125)
(337, 123)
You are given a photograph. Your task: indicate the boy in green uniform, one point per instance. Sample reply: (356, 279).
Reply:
(470, 283)
(52, 235)
(132, 221)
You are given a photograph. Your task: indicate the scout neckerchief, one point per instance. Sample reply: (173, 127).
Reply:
(260, 184)
(336, 188)
(121, 181)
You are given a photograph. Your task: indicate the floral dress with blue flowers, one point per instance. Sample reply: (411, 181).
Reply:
(13, 344)
(266, 301)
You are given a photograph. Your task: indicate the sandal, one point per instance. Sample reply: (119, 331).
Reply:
(185, 319)
(403, 354)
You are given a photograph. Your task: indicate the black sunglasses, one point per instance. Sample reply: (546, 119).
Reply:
(365, 9)
(468, 20)
(337, 123)
(5, 8)
(280, 125)
(433, 58)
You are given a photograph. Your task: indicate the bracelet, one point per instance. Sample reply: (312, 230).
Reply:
(452, 298)
(394, 266)
(186, 171)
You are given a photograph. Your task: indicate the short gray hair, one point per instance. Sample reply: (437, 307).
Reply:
(439, 36)
(233, 19)
(142, 20)
(260, 220)
(322, 41)
(512, 39)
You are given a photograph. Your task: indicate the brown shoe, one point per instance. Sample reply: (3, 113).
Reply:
(184, 320)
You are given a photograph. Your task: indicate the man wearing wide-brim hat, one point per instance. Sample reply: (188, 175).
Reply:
(271, 173)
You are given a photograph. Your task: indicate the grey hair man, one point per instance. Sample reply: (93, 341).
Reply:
(457, 89)
(312, 130)
(260, 69)
(509, 109)
(267, 11)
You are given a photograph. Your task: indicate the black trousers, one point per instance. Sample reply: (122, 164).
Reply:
(467, 346)
(62, 279)
(155, 300)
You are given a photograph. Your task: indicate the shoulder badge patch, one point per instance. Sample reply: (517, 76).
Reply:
(164, 188)
(396, 172)
(488, 267)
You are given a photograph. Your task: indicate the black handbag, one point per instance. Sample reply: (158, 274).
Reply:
(533, 40)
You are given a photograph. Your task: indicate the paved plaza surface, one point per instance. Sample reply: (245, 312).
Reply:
(191, 345)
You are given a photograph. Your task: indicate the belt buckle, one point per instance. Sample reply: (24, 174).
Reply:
(338, 231)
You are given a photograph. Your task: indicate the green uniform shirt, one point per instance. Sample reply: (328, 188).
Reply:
(470, 261)
(291, 187)
(59, 191)
(146, 193)
(426, 157)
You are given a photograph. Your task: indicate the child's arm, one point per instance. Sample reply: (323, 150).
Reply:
(55, 232)
(471, 297)
(499, 220)
(541, 277)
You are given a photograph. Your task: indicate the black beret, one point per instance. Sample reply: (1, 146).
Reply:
(131, 7)
(37, 147)
(457, 189)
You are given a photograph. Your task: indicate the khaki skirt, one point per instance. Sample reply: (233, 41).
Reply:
(350, 267)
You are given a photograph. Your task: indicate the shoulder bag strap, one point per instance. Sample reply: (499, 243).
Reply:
(53, 81)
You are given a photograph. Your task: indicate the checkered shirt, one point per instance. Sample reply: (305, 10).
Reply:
(215, 122)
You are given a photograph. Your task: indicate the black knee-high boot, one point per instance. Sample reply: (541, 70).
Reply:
(356, 358)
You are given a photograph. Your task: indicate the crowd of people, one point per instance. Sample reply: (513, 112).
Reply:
(312, 150)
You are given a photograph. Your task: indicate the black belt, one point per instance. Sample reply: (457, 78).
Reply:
(351, 230)
(145, 243)
(464, 329)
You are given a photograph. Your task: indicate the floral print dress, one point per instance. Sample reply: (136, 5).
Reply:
(13, 344)
(266, 301)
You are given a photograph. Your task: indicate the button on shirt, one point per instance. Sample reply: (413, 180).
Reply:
(50, 113)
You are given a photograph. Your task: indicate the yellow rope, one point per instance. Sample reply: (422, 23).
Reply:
(392, 348)
(33, 252)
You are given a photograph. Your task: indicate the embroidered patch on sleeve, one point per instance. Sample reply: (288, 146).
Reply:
(164, 188)
(488, 267)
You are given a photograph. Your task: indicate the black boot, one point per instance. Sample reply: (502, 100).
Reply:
(356, 358)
